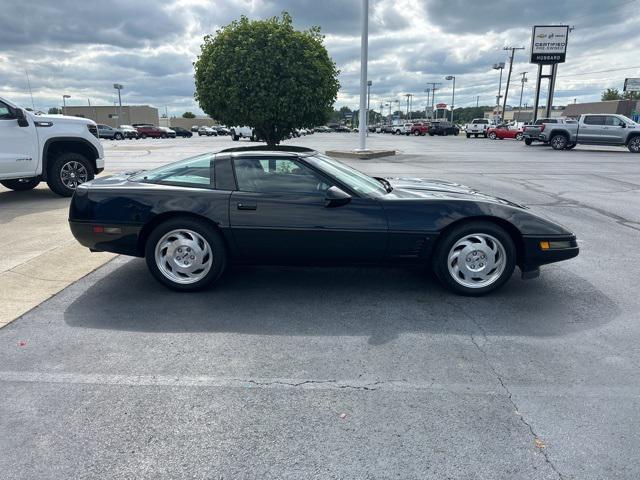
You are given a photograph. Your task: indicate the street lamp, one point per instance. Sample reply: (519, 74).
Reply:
(119, 87)
(64, 103)
(499, 66)
(364, 51)
(453, 94)
(369, 83)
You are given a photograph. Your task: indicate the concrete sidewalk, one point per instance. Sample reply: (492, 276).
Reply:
(42, 257)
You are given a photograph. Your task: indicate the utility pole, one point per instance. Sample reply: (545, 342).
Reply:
(523, 80)
(428, 105)
(119, 87)
(453, 95)
(499, 66)
(409, 96)
(433, 93)
(364, 52)
(506, 90)
(477, 100)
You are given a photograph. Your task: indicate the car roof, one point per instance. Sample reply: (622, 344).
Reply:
(269, 150)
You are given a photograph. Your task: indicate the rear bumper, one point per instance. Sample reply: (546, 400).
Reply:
(121, 239)
(562, 247)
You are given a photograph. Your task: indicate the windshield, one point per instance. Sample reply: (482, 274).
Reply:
(357, 181)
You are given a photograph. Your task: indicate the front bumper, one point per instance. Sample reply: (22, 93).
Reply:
(560, 247)
(121, 239)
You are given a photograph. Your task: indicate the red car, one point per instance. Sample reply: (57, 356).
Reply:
(418, 129)
(145, 131)
(505, 131)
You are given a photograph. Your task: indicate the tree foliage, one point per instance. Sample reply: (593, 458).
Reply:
(55, 111)
(188, 115)
(614, 94)
(266, 75)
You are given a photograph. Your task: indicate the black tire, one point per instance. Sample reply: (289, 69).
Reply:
(469, 135)
(485, 134)
(634, 144)
(21, 184)
(528, 141)
(54, 172)
(475, 135)
(519, 137)
(398, 132)
(431, 134)
(143, 136)
(118, 136)
(559, 141)
(493, 135)
(416, 133)
(235, 137)
(449, 239)
(204, 229)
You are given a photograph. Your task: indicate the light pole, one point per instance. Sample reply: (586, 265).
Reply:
(453, 94)
(369, 83)
(364, 47)
(523, 80)
(119, 87)
(64, 103)
(506, 88)
(499, 66)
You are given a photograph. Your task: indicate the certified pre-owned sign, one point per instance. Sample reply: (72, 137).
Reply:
(549, 43)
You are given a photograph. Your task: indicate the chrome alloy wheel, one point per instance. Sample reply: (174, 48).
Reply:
(73, 174)
(183, 256)
(477, 260)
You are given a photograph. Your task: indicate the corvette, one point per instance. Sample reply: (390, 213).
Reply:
(292, 205)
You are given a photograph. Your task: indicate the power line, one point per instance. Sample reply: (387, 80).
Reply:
(598, 71)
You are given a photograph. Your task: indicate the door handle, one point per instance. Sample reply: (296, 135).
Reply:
(247, 206)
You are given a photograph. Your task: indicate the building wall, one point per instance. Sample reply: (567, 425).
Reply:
(621, 107)
(189, 122)
(108, 114)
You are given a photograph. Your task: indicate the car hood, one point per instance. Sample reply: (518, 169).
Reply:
(429, 188)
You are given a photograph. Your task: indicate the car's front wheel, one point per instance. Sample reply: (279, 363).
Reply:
(21, 184)
(519, 137)
(67, 171)
(634, 145)
(118, 136)
(185, 254)
(493, 135)
(474, 258)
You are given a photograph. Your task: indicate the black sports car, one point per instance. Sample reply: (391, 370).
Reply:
(293, 205)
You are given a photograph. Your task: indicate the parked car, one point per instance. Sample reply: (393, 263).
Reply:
(293, 205)
(207, 131)
(63, 151)
(151, 131)
(531, 132)
(323, 129)
(502, 131)
(168, 132)
(441, 127)
(182, 132)
(388, 128)
(105, 131)
(129, 131)
(420, 128)
(239, 132)
(478, 126)
(402, 129)
(591, 129)
(342, 129)
(221, 130)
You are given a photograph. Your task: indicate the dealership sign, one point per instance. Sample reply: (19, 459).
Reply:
(549, 44)
(632, 84)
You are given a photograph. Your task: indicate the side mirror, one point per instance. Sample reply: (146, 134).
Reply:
(624, 125)
(334, 197)
(21, 117)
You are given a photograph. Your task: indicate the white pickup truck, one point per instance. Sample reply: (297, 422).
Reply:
(239, 132)
(478, 126)
(63, 151)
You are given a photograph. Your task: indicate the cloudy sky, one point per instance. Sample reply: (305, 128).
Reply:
(81, 47)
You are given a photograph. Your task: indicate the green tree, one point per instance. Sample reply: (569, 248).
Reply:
(266, 75)
(611, 94)
(54, 111)
(188, 115)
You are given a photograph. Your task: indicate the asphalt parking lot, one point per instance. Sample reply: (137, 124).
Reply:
(346, 373)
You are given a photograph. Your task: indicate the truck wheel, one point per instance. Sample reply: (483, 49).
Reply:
(634, 145)
(558, 141)
(528, 141)
(21, 184)
(485, 134)
(469, 135)
(475, 135)
(67, 171)
(143, 136)
(398, 132)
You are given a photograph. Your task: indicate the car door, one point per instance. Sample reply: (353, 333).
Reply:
(615, 130)
(592, 129)
(18, 145)
(278, 215)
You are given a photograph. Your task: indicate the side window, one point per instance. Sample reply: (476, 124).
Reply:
(594, 120)
(613, 122)
(277, 175)
(5, 112)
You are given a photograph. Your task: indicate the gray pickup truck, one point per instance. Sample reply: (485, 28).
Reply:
(531, 133)
(593, 129)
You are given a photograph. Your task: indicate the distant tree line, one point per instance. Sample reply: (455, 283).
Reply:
(614, 94)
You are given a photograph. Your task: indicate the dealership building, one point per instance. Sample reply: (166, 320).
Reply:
(628, 108)
(108, 114)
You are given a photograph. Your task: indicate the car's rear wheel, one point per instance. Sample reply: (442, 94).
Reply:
(21, 184)
(468, 135)
(67, 171)
(519, 137)
(474, 258)
(185, 254)
(634, 145)
(558, 141)
(528, 141)
(416, 133)
(493, 135)
(143, 136)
